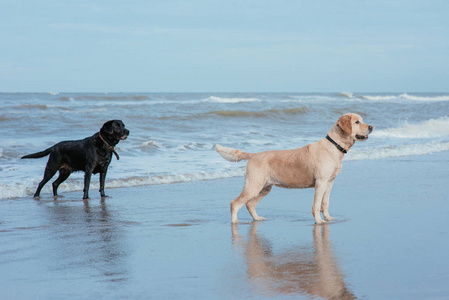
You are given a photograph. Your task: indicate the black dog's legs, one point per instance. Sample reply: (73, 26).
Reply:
(87, 176)
(50, 171)
(102, 181)
(63, 175)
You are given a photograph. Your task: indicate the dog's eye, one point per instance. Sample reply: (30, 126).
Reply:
(357, 122)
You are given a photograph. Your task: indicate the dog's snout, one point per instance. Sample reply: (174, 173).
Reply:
(370, 128)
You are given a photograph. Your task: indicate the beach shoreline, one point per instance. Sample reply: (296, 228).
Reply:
(389, 240)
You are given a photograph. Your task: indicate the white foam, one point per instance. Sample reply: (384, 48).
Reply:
(27, 187)
(379, 98)
(153, 144)
(194, 146)
(428, 98)
(428, 129)
(406, 97)
(347, 94)
(230, 100)
(398, 151)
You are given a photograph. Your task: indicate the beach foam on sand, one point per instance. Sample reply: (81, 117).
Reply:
(389, 240)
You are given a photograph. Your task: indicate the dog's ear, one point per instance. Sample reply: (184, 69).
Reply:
(107, 127)
(345, 124)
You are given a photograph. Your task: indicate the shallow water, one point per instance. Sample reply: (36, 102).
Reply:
(390, 240)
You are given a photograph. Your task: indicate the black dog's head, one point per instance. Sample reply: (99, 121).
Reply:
(114, 131)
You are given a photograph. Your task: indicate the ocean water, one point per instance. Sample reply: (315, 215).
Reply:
(173, 135)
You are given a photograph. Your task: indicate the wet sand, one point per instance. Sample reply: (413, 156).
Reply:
(390, 240)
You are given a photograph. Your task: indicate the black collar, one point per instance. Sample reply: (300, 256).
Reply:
(336, 145)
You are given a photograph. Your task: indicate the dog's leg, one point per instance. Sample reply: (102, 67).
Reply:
(325, 203)
(87, 177)
(251, 204)
(102, 182)
(236, 204)
(63, 175)
(250, 191)
(320, 189)
(50, 171)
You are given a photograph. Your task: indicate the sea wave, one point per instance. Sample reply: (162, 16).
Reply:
(398, 151)
(346, 95)
(26, 188)
(405, 96)
(379, 98)
(428, 129)
(35, 106)
(195, 146)
(183, 147)
(230, 100)
(152, 145)
(256, 114)
(425, 98)
(109, 97)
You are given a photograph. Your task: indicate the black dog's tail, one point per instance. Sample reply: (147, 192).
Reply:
(39, 154)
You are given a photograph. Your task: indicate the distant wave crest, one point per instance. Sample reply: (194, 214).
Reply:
(428, 129)
(108, 97)
(230, 100)
(427, 98)
(405, 97)
(379, 98)
(256, 114)
(347, 95)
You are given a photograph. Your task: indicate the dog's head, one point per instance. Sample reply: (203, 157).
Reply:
(114, 131)
(352, 124)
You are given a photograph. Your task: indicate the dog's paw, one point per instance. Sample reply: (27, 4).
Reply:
(320, 222)
(328, 219)
(259, 219)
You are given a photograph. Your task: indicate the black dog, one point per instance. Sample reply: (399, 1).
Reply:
(91, 155)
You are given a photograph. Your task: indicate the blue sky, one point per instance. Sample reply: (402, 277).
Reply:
(224, 46)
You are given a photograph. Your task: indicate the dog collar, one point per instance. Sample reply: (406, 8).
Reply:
(336, 145)
(109, 146)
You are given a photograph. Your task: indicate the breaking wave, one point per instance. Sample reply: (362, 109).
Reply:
(346, 95)
(398, 151)
(428, 129)
(230, 100)
(425, 98)
(110, 97)
(379, 98)
(406, 97)
(27, 187)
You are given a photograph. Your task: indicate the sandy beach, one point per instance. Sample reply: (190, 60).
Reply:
(176, 241)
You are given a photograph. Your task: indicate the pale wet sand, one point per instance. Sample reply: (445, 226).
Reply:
(389, 241)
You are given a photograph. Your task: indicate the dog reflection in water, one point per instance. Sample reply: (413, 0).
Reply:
(301, 270)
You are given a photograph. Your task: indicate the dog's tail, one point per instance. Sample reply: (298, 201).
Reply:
(38, 154)
(232, 154)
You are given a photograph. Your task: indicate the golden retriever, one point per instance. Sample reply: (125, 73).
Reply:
(315, 165)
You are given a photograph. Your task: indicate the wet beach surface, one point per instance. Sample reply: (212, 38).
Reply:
(389, 241)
